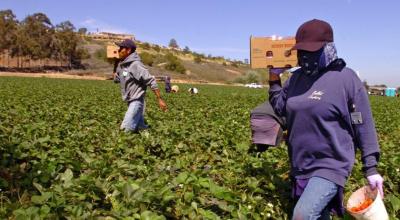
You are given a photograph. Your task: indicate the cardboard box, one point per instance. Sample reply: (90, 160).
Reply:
(268, 52)
(112, 51)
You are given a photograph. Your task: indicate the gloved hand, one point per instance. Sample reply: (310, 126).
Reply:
(276, 71)
(376, 181)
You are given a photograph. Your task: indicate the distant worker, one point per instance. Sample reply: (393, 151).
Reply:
(167, 81)
(174, 88)
(134, 79)
(193, 91)
(328, 117)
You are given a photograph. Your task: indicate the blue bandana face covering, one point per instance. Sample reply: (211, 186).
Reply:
(313, 62)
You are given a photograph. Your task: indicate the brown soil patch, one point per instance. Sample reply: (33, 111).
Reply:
(233, 71)
(52, 75)
(71, 76)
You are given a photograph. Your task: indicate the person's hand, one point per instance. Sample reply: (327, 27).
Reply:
(274, 73)
(376, 181)
(162, 105)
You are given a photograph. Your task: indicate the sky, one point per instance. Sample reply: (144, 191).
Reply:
(366, 32)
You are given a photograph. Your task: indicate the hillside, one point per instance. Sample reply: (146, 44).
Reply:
(197, 67)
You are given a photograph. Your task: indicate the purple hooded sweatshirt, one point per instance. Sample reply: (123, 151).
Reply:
(321, 135)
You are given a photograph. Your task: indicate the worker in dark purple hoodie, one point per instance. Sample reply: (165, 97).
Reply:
(328, 116)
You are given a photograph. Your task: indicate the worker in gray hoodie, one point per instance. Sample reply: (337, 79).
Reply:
(134, 78)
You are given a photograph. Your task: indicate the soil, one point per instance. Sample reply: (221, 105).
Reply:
(89, 77)
(52, 75)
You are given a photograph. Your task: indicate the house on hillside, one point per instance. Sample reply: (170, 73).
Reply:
(108, 36)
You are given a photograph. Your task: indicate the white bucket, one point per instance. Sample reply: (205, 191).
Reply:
(376, 211)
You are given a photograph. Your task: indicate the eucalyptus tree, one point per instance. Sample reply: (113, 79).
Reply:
(8, 29)
(173, 43)
(66, 41)
(37, 34)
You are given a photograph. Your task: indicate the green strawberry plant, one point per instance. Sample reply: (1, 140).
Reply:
(62, 155)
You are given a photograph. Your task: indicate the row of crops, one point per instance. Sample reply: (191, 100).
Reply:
(62, 155)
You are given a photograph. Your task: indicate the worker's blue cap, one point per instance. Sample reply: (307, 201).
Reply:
(127, 43)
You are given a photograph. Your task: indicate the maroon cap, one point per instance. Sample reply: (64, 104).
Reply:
(313, 35)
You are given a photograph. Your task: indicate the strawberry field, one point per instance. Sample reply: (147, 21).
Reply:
(63, 156)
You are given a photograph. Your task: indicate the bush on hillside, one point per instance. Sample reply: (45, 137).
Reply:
(173, 43)
(147, 58)
(159, 58)
(157, 48)
(234, 64)
(101, 54)
(250, 77)
(219, 58)
(197, 59)
(174, 64)
(83, 53)
(202, 56)
(186, 50)
(146, 46)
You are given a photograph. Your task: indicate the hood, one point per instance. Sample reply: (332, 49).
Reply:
(131, 58)
(336, 65)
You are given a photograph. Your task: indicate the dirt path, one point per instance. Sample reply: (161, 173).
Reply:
(52, 75)
(88, 77)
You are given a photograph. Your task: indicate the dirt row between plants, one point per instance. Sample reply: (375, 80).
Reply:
(52, 75)
(88, 77)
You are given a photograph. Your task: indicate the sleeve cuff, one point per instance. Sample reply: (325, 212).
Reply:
(370, 171)
(369, 164)
(276, 82)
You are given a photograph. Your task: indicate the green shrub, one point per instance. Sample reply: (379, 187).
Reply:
(186, 50)
(55, 165)
(159, 58)
(240, 80)
(101, 54)
(197, 59)
(147, 58)
(157, 48)
(202, 56)
(174, 64)
(82, 53)
(146, 46)
(250, 77)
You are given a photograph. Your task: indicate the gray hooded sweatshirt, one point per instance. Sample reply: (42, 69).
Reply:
(134, 78)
